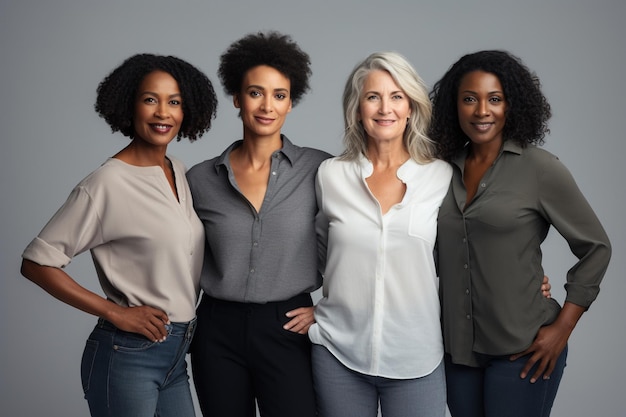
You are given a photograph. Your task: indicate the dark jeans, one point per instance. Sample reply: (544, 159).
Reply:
(241, 352)
(496, 389)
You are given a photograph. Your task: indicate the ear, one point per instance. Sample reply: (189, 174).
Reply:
(290, 106)
(236, 102)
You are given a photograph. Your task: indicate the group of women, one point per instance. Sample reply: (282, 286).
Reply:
(456, 174)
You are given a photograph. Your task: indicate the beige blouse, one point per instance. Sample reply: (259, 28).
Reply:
(146, 245)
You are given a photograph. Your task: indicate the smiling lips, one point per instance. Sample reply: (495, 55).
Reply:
(160, 128)
(482, 127)
(264, 120)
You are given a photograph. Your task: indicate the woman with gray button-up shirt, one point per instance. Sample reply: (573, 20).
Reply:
(257, 204)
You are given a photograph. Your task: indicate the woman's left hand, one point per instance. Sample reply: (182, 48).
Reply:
(301, 319)
(549, 343)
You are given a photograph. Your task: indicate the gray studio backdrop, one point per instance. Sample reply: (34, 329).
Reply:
(53, 54)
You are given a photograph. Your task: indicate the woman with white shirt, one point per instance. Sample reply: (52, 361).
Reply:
(377, 337)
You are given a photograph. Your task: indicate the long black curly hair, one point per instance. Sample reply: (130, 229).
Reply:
(273, 49)
(116, 94)
(528, 109)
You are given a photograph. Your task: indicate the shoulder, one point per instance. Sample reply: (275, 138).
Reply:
(109, 173)
(310, 156)
(436, 171)
(303, 155)
(202, 169)
(538, 155)
(335, 165)
(542, 161)
(439, 166)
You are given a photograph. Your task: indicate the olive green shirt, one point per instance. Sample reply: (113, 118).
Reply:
(489, 253)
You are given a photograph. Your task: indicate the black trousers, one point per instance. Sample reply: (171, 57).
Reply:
(240, 353)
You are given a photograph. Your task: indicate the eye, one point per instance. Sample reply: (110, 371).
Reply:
(397, 97)
(255, 93)
(468, 99)
(371, 97)
(496, 99)
(175, 102)
(281, 96)
(149, 100)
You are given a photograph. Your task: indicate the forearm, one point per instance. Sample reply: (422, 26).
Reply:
(60, 285)
(568, 317)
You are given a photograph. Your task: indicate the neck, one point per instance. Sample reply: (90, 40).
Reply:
(487, 152)
(140, 155)
(387, 154)
(257, 151)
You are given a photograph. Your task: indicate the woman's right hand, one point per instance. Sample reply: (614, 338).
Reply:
(147, 321)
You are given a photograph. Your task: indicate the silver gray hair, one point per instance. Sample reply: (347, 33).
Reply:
(420, 147)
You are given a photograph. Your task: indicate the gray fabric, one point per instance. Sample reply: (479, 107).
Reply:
(490, 257)
(266, 256)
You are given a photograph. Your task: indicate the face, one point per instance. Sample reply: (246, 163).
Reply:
(383, 107)
(158, 109)
(264, 101)
(481, 107)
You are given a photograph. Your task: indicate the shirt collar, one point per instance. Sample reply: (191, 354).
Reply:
(508, 146)
(289, 151)
(405, 171)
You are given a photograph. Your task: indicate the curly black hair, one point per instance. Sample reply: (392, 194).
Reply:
(116, 94)
(273, 49)
(528, 109)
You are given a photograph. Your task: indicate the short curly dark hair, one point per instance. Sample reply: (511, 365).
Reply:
(273, 49)
(528, 109)
(116, 94)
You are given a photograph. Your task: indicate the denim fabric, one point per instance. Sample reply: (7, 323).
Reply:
(124, 374)
(496, 389)
(342, 392)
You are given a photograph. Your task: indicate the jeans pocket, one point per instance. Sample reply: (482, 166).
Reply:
(131, 342)
(86, 365)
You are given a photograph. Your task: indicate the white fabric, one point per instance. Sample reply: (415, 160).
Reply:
(147, 247)
(380, 312)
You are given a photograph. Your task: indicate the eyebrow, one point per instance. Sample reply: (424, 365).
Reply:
(377, 93)
(259, 87)
(155, 94)
(489, 92)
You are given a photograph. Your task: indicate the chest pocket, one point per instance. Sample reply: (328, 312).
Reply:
(423, 221)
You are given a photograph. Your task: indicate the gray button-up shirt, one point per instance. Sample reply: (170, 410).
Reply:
(266, 256)
(490, 256)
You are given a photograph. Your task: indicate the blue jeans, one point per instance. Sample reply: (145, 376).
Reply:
(342, 392)
(124, 374)
(496, 390)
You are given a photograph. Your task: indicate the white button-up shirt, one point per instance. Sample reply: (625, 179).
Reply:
(380, 312)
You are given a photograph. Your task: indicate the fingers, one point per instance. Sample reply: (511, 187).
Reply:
(543, 369)
(301, 319)
(156, 329)
(546, 287)
(147, 321)
(545, 366)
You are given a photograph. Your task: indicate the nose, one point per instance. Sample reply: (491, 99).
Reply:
(482, 109)
(266, 104)
(384, 106)
(161, 111)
